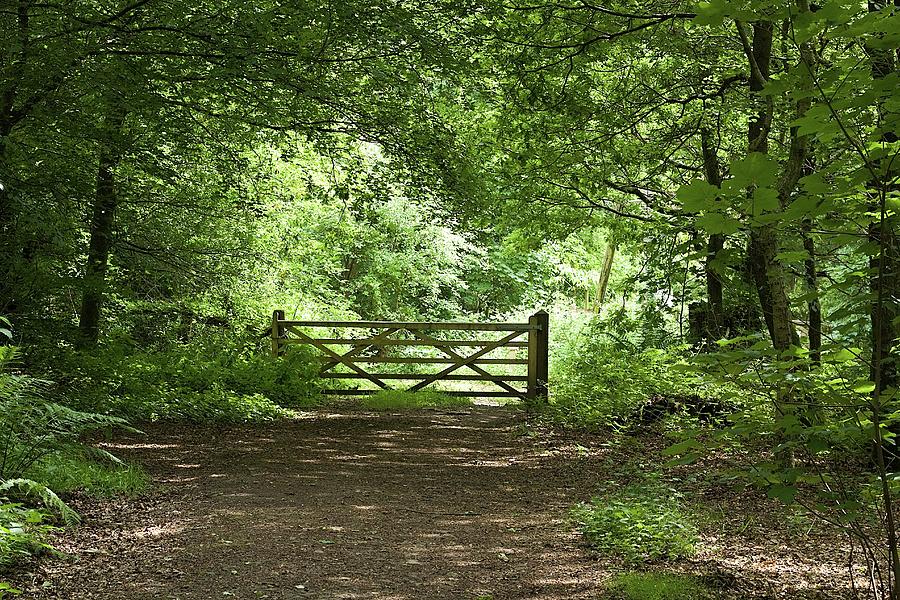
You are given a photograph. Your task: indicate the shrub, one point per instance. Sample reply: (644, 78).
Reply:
(638, 525)
(601, 381)
(193, 382)
(656, 586)
(31, 427)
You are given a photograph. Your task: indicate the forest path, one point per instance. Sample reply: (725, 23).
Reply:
(444, 505)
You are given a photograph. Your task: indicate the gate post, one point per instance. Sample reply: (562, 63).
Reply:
(277, 331)
(538, 355)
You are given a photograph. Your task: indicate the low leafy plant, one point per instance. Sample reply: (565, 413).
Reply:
(31, 427)
(404, 400)
(637, 525)
(206, 383)
(656, 586)
(23, 533)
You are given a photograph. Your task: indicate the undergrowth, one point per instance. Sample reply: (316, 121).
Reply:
(23, 534)
(200, 382)
(79, 472)
(602, 376)
(656, 586)
(637, 524)
(404, 400)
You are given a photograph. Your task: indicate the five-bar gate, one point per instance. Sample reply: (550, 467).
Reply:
(456, 354)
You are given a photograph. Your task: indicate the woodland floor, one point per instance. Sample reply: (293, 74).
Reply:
(423, 505)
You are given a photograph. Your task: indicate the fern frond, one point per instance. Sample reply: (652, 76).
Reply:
(29, 488)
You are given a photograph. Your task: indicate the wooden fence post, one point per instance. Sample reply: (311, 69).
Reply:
(538, 356)
(277, 331)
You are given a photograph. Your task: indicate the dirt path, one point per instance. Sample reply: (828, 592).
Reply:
(426, 505)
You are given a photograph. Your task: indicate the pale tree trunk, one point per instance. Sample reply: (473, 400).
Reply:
(768, 273)
(605, 271)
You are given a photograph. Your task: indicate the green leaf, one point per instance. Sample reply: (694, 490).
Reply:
(711, 13)
(765, 200)
(864, 387)
(756, 169)
(718, 223)
(785, 493)
(697, 196)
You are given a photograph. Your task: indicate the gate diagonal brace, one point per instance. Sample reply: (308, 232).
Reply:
(466, 362)
(359, 347)
(344, 358)
(455, 356)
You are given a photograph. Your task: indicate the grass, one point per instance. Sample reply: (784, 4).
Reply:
(78, 472)
(404, 400)
(637, 524)
(657, 586)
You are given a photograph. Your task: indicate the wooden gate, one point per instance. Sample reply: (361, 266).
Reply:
(373, 348)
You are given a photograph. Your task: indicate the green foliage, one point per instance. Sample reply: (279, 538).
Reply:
(97, 477)
(35, 492)
(31, 427)
(601, 380)
(637, 524)
(399, 400)
(201, 382)
(22, 535)
(656, 586)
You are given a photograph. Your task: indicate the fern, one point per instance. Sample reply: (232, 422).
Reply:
(29, 489)
(31, 427)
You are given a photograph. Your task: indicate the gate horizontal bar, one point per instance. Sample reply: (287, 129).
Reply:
(414, 325)
(435, 361)
(393, 342)
(463, 393)
(331, 375)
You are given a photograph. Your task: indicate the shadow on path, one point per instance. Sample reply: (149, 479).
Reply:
(412, 506)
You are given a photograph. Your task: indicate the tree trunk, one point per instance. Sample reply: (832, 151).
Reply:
(101, 237)
(605, 271)
(886, 265)
(763, 243)
(714, 294)
(814, 309)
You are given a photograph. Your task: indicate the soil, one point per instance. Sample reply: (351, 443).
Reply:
(423, 505)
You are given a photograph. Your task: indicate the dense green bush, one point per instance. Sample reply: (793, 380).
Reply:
(598, 380)
(637, 525)
(198, 382)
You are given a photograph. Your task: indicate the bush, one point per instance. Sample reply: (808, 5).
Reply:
(193, 382)
(600, 381)
(638, 525)
(656, 586)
